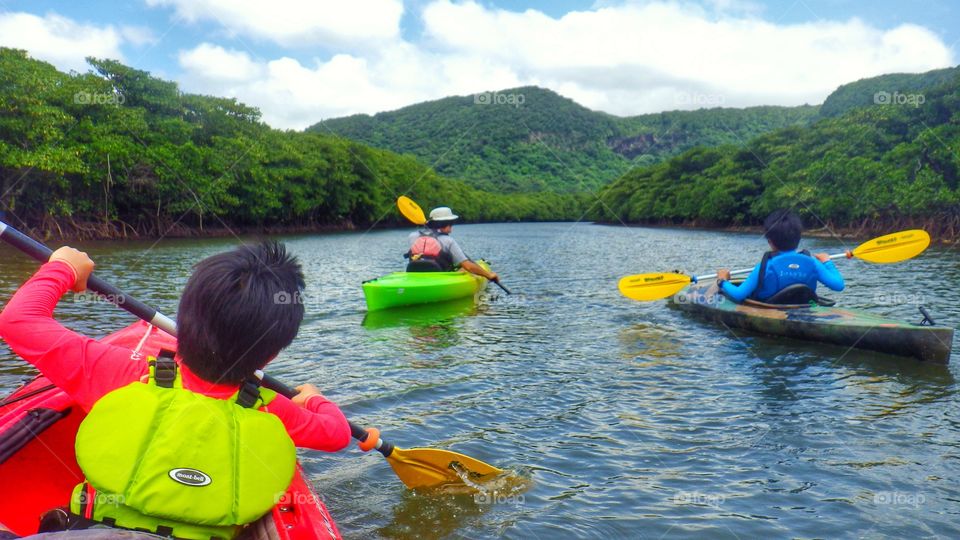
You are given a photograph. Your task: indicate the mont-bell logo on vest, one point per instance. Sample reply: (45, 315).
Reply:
(189, 477)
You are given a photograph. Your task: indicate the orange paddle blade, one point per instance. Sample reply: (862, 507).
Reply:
(426, 467)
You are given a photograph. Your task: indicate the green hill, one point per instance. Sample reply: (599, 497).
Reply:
(117, 152)
(899, 87)
(532, 139)
(871, 168)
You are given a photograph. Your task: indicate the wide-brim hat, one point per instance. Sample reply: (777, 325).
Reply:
(443, 213)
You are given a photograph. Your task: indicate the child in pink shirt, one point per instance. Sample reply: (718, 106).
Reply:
(230, 324)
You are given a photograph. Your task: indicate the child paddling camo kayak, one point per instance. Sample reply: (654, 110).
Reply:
(788, 304)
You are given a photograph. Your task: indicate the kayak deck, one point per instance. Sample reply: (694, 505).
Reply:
(38, 427)
(839, 326)
(400, 289)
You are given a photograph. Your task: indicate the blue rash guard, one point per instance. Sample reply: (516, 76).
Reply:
(784, 269)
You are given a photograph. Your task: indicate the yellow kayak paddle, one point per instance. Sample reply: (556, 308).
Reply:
(890, 248)
(416, 467)
(411, 210)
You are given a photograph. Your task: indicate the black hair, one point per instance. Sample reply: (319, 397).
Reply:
(783, 227)
(239, 309)
(437, 225)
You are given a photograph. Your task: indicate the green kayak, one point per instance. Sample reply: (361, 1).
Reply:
(413, 288)
(847, 327)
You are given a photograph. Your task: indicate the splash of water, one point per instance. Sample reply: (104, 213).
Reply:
(506, 484)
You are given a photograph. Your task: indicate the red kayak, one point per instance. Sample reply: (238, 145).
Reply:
(38, 466)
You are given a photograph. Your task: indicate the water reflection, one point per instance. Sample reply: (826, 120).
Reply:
(649, 342)
(420, 515)
(418, 316)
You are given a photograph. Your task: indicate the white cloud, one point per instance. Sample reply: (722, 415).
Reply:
(627, 57)
(298, 23)
(292, 95)
(58, 40)
(212, 62)
(632, 58)
(644, 53)
(138, 35)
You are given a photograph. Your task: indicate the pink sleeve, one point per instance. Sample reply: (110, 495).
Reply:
(320, 425)
(81, 366)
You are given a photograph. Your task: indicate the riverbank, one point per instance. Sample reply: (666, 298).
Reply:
(941, 232)
(52, 230)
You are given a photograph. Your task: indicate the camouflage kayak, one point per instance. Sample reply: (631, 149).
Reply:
(839, 326)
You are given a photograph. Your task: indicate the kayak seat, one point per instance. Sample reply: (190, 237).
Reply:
(60, 523)
(796, 294)
(424, 265)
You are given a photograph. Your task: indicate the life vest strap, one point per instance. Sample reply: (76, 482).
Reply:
(165, 376)
(88, 497)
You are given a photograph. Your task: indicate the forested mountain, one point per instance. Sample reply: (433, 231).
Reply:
(532, 139)
(904, 88)
(120, 152)
(117, 152)
(874, 167)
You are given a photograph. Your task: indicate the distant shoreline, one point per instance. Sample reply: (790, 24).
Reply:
(116, 232)
(863, 232)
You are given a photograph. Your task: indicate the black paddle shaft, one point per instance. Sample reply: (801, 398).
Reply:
(42, 253)
(356, 431)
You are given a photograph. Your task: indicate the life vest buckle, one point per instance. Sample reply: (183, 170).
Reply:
(249, 392)
(165, 369)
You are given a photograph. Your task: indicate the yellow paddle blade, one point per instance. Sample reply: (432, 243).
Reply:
(426, 467)
(895, 247)
(411, 210)
(646, 287)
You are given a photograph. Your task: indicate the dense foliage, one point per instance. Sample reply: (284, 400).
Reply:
(873, 167)
(900, 87)
(532, 139)
(117, 152)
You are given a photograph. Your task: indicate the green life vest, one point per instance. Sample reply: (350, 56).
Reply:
(164, 459)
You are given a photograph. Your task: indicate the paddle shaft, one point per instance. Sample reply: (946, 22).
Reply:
(696, 279)
(356, 431)
(496, 281)
(42, 253)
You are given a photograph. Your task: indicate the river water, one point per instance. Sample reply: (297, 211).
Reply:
(628, 419)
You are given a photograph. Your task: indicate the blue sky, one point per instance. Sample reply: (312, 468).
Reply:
(302, 60)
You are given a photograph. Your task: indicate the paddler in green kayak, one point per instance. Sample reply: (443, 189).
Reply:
(784, 275)
(432, 249)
